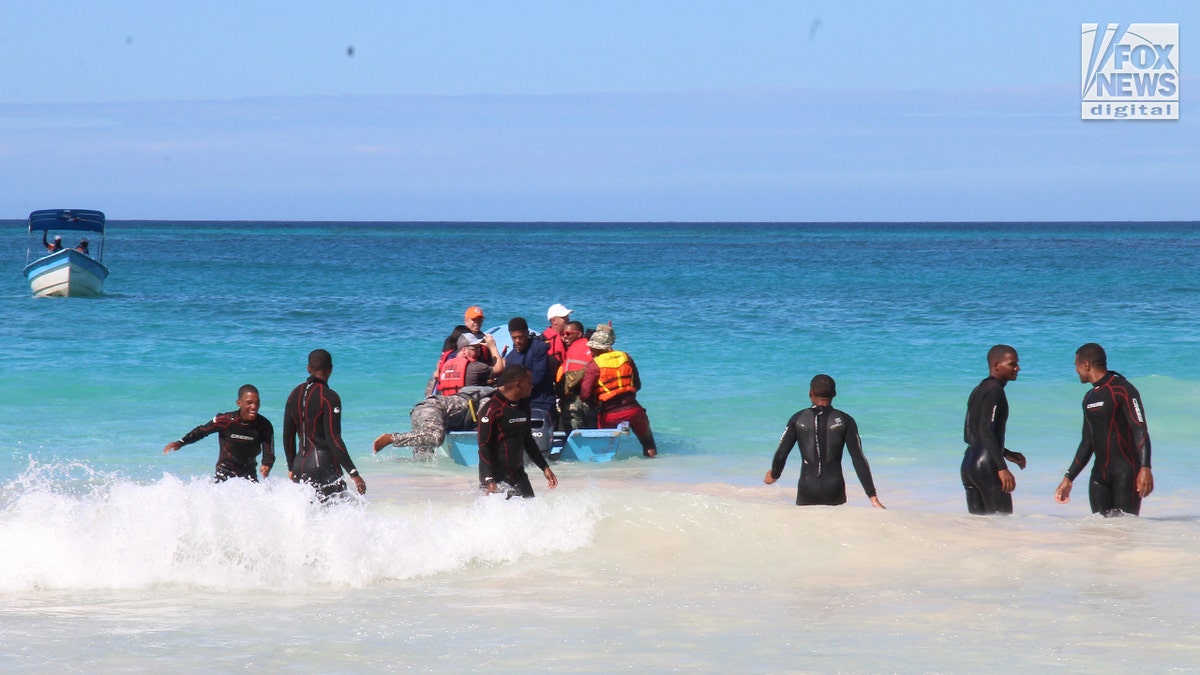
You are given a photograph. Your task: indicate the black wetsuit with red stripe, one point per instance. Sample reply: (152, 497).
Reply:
(1114, 430)
(314, 417)
(505, 439)
(240, 441)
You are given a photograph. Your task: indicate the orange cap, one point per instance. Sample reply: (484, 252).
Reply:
(473, 312)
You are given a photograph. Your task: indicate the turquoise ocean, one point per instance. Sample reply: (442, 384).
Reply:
(116, 557)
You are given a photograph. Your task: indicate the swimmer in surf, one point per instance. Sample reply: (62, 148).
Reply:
(985, 475)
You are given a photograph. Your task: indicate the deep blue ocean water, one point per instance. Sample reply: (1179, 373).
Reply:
(727, 322)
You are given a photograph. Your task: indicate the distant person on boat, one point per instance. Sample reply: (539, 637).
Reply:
(83, 247)
(449, 350)
(823, 433)
(1114, 430)
(464, 369)
(436, 415)
(487, 353)
(574, 412)
(243, 434)
(533, 354)
(611, 382)
(312, 432)
(558, 316)
(985, 475)
(54, 247)
(506, 438)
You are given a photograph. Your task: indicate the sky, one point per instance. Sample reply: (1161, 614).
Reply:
(580, 111)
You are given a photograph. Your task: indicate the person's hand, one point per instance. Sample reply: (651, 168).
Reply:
(1063, 494)
(877, 504)
(1144, 482)
(551, 479)
(264, 470)
(1007, 482)
(359, 484)
(1015, 457)
(768, 479)
(172, 447)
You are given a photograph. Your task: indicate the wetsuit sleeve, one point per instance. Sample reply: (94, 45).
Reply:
(1135, 415)
(268, 442)
(202, 431)
(986, 431)
(1083, 454)
(587, 388)
(861, 466)
(333, 417)
(289, 428)
(489, 423)
(786, 443)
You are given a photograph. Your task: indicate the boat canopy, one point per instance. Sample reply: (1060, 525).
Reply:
(66, 219)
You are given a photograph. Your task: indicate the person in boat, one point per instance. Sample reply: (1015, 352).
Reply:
(985, 475)
(574, 411)
(83, 246)
(558, 316)
(1114, 430)
(488, 353)
(449, 351)
(506, 438)
(312, 432)
(53, 247)
(464, 369)
(823, 433)
(611, 382)
(243, 434)
(533, 354)
(436, 415)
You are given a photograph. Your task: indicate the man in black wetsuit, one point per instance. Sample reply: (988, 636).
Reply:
(1114, 430)
(985, 475)
(243, 433)
(823, 432)
(506, 437)
(314, 416)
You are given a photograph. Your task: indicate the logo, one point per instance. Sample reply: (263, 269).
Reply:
(1130, 71)
(1097, 404)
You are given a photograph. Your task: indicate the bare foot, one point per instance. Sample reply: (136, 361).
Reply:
(650, 452)
(382, 442)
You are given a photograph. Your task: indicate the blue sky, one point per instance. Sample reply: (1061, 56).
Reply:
(781, 111)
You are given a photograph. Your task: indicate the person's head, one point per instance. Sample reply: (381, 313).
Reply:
(516, 382)
(1002, 363)
(468, 346)
(822, 389)
(572, 331)
(602, 338)
(247, 402)
(518, 330)
(473, 317)
(1091, 363)
(320, 364)
(450, 344)
(558, 315)
(58, 239)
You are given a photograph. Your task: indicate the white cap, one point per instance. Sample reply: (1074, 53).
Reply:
(557, 309)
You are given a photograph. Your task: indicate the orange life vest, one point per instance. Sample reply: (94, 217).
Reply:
(452, 376)
(616, 374)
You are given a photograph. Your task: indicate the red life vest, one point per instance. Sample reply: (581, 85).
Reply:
(616, 375)
(452, 375)
(577, 357)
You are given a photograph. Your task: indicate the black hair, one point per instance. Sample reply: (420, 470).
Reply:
(999, 352)
(513, 374)
(451, 342)
(320, 360)
(1093, 354)
(518, 324)
(823, 386)
(247, 389)
(576, 325)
